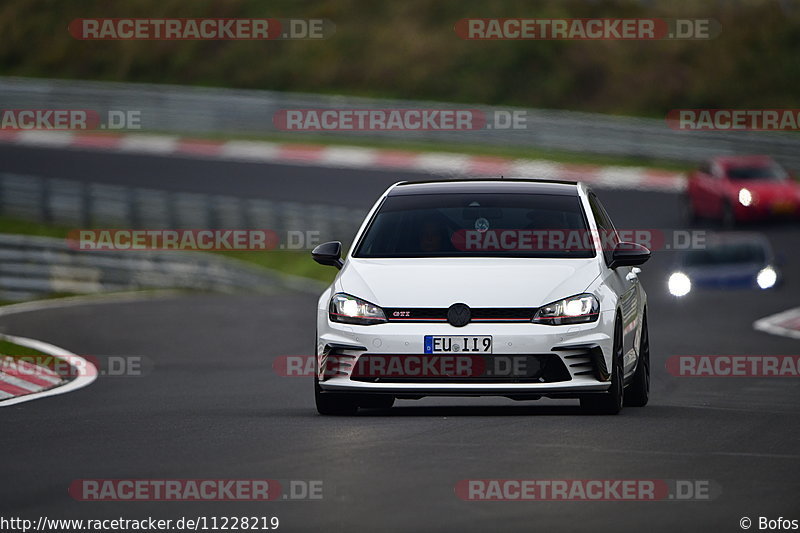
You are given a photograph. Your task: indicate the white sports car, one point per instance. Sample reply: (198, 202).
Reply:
(492, 287)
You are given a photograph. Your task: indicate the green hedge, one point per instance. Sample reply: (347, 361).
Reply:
(408, 49)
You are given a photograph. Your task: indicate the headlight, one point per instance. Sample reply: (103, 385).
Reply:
(679, 284)
(766, 277)
(745, 197)
(573, 310)
(351, 310)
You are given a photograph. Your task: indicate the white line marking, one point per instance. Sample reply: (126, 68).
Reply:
(45, 138)
(149, 144)
(773, 323)
(441, 163)
(71, 301)
(536, 169)
(249, 151)
(86, 376)
(348, 156)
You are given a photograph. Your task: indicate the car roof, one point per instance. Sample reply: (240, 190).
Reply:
(486, 185)
(728, 161)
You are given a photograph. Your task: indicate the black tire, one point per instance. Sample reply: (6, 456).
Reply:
(376, 401)
(690, 215)
(728, 220)
(638, 392)
(331, 403)
(610, 403)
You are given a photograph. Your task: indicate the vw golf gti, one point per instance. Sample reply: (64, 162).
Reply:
(486, 287)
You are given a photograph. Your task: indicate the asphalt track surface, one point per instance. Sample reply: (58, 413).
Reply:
(211, 406)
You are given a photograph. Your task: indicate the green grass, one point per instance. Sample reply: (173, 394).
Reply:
(410, 50)
(15, 351)
(25, 227)
(295, 263)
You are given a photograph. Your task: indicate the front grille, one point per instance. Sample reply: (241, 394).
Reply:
(442, 368)
(479, 314)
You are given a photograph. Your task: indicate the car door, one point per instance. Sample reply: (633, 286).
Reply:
(702, 191)
(712, 187)
(625, 283)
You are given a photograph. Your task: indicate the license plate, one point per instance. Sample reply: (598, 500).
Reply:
(458, 344)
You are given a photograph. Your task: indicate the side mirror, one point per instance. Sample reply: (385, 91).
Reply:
(328, 254)
(628, 254)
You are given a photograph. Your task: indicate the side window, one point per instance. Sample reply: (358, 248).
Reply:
(716, 171)
(705, 168)
(608, 234)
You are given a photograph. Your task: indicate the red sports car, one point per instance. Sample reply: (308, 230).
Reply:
(735, 189)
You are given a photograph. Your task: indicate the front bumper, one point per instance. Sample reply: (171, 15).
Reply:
(584, 350)
(762, 211)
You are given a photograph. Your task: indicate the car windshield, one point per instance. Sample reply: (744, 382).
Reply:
(771, 172)
(727, 253)
(478, 225)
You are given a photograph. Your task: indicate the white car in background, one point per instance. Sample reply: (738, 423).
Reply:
(492, 287)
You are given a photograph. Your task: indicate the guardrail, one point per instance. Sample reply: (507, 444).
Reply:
(179, 109)
(33, 266)
(85, 205)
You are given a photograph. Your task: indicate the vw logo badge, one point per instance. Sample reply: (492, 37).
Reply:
(459, 315)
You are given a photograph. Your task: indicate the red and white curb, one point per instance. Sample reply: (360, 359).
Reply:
(85, 371)
(616, 177)
(18, 378)
(786, 323)
(23, 382)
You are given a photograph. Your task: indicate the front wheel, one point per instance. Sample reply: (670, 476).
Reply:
(689, 213)
(610, 403)
(728, 219)
(638, 392)
(376, 401)
(331, 403)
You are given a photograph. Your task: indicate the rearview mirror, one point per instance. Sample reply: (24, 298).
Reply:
(628, 254)
(328, 254)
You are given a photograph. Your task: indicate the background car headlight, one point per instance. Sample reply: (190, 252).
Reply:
(679, 284)
(745, 197)
(351, 310)
(573, 310)
(766, 277)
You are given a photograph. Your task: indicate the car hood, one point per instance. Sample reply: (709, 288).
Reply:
(477, 282)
